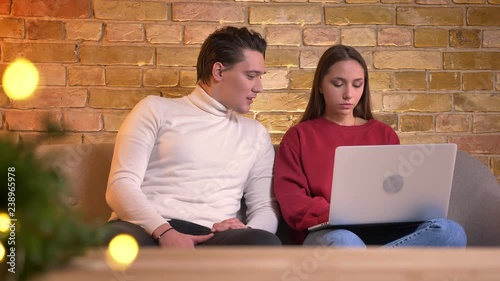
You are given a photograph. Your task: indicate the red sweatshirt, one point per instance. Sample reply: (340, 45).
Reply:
(303, 167)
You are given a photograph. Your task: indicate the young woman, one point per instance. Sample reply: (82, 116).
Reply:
(339, 114)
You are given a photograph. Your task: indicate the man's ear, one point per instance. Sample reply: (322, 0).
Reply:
(217, 71)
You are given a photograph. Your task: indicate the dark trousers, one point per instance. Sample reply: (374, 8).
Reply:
(230, 237)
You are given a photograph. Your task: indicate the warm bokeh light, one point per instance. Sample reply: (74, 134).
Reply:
(2, 252)
(122, 251)
(20, 79)
(4, 222)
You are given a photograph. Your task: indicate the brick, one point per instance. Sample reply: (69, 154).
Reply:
(358, 37)
(177, 56)
(433, 2)
(161, 77)
(4, 100)
(119, 98)
(123, 76)
(486, 123)
(9, 136)
(285, 14)
(397, 1)
(477, 102)
(52, 8)
(83, 30)
(32, 120)
(5, 7)
(495, 166)
(11, 27)
(394, 36)
(284, 36)
(491, 38)
(321, 36)
(368, 56)
(361, 1)
(85, 76)
(469, 1)
(309, 58)
(471, 60)
(197, 34)
(389, 119)
(50, 138)
(188, 78)
(130, 10)
(381, 81)
(40, 52)
(280, 101)
(465, 38)
(275, 79)
(282, 57)
(407, 59)
(53, 98)
(210, 12)
(51, 74)
(276, 137)
(376, 102)
(452, 123)
(431, 37)
(301, 79)
(124, 32)
(411, 80)
(278, 121)
(416, 123)
(99, 137)
(82, 120)
(444, 81)
(417, 102)
(117, 55)
(114, 119)
(369, 14)
(45, 30)
(477, 81)
(483, 16)
(409, 138)
(163, 34)
(481, 144)
(175, 92)
(433, 16)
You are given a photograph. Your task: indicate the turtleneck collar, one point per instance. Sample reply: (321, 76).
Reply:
(205, 102)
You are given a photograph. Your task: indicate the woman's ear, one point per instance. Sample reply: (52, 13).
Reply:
(217, 71)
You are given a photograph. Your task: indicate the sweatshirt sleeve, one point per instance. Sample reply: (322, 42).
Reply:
(299, 209)
(133, 146)
(262, 208)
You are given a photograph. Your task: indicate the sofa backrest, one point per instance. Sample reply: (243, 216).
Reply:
(474, 200)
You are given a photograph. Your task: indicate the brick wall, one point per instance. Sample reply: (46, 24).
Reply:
(435, 64)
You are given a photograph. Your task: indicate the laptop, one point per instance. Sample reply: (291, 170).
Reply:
(386, 184)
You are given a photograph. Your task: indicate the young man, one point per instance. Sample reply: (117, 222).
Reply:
(181, 166)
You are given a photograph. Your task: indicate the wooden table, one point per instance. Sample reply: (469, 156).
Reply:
(290, 264)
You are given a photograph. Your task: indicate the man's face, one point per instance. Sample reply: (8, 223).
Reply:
(240, 84)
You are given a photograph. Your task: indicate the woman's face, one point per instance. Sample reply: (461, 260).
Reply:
(342, 88)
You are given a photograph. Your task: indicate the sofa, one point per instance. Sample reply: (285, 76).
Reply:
(474, 203)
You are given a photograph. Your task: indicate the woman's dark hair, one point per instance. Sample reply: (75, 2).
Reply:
(316, 105)
(226, 46)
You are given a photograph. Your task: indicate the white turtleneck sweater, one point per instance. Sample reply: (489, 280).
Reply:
(191, 159)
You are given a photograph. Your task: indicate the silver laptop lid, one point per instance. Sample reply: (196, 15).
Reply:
(391, 183)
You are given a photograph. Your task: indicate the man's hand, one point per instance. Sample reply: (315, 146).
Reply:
(174, 239)
(232, 223)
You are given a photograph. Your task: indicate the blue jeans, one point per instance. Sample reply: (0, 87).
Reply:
(431, 233)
